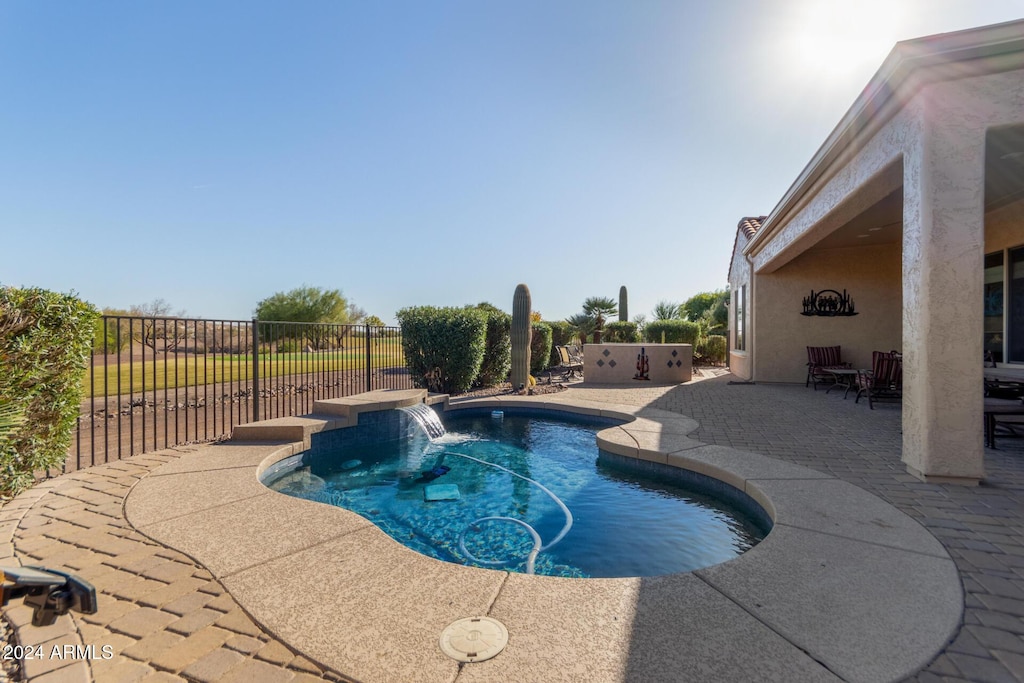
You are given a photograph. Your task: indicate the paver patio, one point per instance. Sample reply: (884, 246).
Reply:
(166, 618)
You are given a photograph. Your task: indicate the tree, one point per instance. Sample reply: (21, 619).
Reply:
(599, 308)
(641, 322)
(309, 305)
(373, 321)
(699, 303)
(158, 324)
(581, 324)
(666, 310)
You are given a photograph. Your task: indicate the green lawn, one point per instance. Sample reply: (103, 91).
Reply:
(133, 377)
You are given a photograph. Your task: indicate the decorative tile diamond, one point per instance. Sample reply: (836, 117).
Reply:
(611, 363)
(606, 353)
(600, 363)
(670, 363)
(674, 353)
(679, 363)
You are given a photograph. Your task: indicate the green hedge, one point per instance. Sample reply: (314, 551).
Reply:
(620, 332)
(497, 347)
(676, 332)
(713, 349)
(446, 342)
(540, 348)
(562, 334)
(45, 341)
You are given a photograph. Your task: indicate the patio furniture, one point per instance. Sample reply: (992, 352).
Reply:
(885, 379)
(820, 359)
(1000, 406)
(843, 377)
(1001, 388)
(567, 364)
(1002, 397)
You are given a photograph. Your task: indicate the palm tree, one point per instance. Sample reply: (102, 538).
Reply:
(666, 310)
(599, 308)
(582, 324)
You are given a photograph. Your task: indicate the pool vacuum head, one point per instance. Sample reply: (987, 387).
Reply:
(439, 471)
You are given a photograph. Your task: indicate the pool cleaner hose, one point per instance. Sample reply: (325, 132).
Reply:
(537, 546)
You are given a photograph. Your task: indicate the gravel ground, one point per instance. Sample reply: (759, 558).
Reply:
(10, 669)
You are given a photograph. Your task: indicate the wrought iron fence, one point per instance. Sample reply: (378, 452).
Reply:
(160, 382)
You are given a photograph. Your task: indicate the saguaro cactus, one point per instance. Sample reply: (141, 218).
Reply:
(520, 337)
(623, 311)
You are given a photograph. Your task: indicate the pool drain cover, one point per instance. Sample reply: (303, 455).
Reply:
(474, 639)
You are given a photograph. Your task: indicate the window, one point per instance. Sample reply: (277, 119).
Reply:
(1015, 325)
(739, 308)
(994, 306)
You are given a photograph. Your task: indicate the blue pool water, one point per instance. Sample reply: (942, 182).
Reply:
(623, 523)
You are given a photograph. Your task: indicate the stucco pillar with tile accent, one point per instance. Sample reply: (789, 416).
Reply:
(943, 252)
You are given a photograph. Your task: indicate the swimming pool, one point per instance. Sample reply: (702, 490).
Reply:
(530, 492)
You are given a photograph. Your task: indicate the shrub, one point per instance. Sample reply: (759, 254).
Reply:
(540, 348)
(444, 347)
(621, 332)
(497, 347)
(290, 346)
(675, 331)
(562, 333)
(712, 349)
(45, 340)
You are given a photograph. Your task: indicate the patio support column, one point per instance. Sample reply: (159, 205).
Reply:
(943, 253)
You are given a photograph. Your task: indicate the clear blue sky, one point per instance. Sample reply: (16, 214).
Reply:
(410, 153)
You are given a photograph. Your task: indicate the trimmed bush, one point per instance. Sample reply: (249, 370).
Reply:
(45, 341)
(540, 348)
(444, 347)
(497, 347)
(562, 334)
(676, 332)
(621, 332)
(713, 349)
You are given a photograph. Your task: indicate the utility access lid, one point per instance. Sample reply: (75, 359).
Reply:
(474, 639)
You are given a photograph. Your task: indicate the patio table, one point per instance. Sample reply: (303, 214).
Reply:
(845, 377)
(998, 406)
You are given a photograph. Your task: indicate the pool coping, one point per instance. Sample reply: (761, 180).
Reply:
(844, 587)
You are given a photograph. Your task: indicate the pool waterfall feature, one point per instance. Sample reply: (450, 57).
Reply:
(426, 418)
(399, 469)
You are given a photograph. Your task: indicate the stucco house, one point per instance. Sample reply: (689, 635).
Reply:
(914, 207)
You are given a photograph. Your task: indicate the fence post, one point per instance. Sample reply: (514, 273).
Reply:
(255, 370)
(369, 376)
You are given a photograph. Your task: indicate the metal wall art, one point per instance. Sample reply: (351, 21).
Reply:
(643, 365)
(828, 302)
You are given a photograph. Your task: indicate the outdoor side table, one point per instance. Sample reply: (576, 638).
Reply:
(845, 377)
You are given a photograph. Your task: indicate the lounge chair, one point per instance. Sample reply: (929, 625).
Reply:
(567, 364)
(821, 359)
(885, 379)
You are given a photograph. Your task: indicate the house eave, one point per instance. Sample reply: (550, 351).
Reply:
(910, 66)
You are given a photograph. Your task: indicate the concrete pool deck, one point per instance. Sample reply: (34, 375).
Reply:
(846, 587)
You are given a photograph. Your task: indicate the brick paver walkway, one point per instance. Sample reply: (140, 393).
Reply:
(982, 527)
(166, 619)
(162, 617)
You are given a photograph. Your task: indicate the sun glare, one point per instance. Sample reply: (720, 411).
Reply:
(841, 39)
